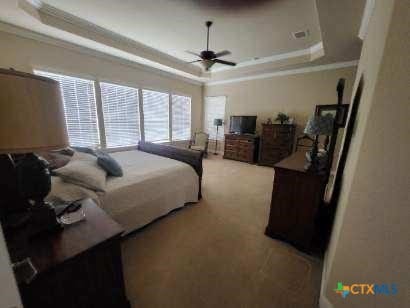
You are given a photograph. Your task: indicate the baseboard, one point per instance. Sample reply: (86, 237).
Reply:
(220, 153)
(324, 302)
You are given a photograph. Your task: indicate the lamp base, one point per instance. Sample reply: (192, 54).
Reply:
(316, 163)
(26, 183)
(38, 219)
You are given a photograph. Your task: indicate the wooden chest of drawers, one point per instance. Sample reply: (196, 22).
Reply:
(296, 198)
(241, 147)
(276, 143)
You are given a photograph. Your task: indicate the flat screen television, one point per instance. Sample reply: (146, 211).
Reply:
(242, 124)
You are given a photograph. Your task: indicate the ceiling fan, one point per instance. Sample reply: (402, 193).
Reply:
(209, 57)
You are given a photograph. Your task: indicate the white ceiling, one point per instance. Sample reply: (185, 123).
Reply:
(173, 26)
(163, 29)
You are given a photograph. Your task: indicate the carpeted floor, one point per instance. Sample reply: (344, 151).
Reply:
(215, 253)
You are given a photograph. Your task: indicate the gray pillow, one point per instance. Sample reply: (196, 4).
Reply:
(84, 150)
(83, 170)
(109, 164)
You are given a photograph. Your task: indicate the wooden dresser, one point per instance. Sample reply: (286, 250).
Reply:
(296, 197)
(276, 143)
(241, 147)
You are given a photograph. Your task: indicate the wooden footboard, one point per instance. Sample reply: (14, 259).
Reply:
(190, 157)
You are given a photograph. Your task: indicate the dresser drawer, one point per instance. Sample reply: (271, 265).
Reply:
(230, 154)
(231, 147)
(270, 156)
(241, 147)
(277, 128)
(231, 141)
(244, 156)
(245, 147)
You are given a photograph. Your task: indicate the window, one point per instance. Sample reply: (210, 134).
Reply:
(214, 109)
(121, 115)
(181, 117)
(80, 109)
(118, 108)
(156, 116)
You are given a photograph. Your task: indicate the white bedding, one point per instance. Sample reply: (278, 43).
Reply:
(151, 187)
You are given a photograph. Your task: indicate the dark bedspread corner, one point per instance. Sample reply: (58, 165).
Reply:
(190, 157)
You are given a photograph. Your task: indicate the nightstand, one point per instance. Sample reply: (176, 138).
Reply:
(79, 266)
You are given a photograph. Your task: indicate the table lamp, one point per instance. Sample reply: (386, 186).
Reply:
(316, 126)
(217, 123)
(31, 120)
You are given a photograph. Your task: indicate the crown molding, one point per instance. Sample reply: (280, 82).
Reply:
(133, 51)
(25, 33)
(61, 20)
(304, 70)
(317, 48)
(367, 14)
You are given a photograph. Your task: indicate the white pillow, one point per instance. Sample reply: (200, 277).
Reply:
(63, 191)
(83, 170)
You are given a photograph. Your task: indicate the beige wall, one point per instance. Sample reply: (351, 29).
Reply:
(371, 234)
(296, 95)
(27, 54)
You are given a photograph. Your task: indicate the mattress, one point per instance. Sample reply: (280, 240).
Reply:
(151, 187)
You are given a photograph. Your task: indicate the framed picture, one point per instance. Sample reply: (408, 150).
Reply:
(322, 110)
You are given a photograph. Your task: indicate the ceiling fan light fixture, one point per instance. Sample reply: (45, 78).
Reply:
(207, 64)
(208, 57)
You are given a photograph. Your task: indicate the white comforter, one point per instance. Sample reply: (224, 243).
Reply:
(151, 187)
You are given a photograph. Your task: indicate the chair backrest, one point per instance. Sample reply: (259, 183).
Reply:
(200, 138)
(305, 142)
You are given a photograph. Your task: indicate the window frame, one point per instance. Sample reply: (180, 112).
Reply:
(39, 71)
(190, 116)
(99, 105)
(169, 115)
(103, 120)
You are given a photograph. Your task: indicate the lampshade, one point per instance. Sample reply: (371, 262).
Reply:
(218, 122)
(207, 64)
(320, 125)
(31, 113)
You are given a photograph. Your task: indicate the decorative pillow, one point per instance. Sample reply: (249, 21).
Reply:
(109, 164)
(63, 191)
(55, 160)
(65, 151)
(85, 150)
(83, 170)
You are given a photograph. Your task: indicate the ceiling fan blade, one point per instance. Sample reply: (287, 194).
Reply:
(224, 62)
(195, 61)
(193, 53)
(222, 53)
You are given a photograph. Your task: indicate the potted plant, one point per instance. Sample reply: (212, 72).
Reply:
(282, 118)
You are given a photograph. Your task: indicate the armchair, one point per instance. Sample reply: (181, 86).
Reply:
(199, 142)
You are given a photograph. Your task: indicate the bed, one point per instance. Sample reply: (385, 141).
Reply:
(157, 179)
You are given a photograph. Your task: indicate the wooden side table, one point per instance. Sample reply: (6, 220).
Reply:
(79, 266)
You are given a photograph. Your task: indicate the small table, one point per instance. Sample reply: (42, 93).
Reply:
(79, 266)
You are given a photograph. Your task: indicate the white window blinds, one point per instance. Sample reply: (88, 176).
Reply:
(156, 116)
(181, 117)
(80, 109)
(121, 115)
(214, 109)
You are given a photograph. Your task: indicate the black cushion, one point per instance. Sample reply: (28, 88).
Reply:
(108, 163)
